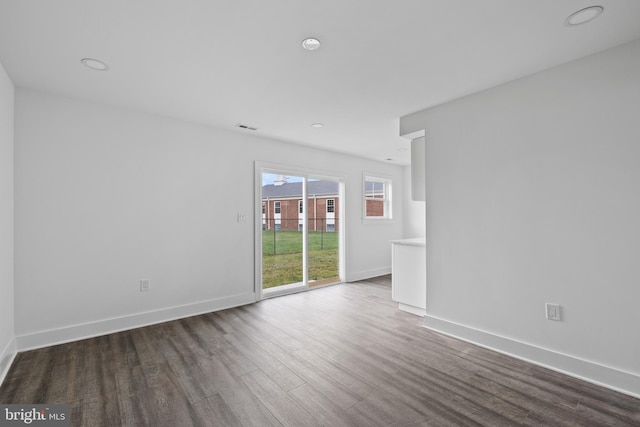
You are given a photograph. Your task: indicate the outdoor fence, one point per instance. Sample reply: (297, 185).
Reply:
(284, 235)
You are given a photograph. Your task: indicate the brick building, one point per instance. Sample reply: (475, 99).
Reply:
(282, 207)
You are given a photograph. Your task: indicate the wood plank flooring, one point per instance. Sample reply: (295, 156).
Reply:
(336, 356)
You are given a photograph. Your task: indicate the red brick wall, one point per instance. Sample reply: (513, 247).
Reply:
(319, 224)
(289, 213)
(375, 208)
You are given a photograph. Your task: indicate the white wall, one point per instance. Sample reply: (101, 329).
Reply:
(7, 342)
(106, 197)
(533, 196)
(414, 212)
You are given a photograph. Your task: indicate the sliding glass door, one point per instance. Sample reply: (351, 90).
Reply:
(299, 231)
(282, 231)
(323, 225)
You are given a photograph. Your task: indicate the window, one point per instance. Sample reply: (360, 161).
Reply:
(377, 198)
(300, 217)
(331, 206)
(264, 209)
(276, 207)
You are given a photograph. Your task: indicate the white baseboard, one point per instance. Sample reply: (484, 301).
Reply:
(368, 274)
(6, 358)
(612, 378)
(102, 327)
(411, 309)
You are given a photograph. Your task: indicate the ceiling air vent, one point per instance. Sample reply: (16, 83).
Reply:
(241, 126)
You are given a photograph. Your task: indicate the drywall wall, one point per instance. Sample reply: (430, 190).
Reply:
(106, 197)
(532, 198)
(417, 169)
(7, 343)
(414, 211)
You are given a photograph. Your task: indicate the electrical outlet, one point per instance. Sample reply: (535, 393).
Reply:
(242, 217)
(553, 311)
(145, 285)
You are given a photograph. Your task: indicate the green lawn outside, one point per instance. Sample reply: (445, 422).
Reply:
(282, 257)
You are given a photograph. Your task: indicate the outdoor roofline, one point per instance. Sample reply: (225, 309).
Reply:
(328, 195)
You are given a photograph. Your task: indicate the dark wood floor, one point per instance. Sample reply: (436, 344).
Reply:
(337, 356)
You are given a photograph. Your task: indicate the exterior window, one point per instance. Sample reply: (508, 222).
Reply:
(331, 206)
(276, 207)
(264, 208)
(300, 206)
(377, 198)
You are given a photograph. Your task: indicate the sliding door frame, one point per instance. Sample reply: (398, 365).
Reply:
(306, 173)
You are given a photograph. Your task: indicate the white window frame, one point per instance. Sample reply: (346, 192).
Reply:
(387, 196)
(277, 207)
(333, 206)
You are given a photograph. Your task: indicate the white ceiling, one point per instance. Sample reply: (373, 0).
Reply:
(222, 62)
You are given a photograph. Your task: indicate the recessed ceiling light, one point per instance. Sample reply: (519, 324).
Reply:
(94, 64)
(583, 16)
(317, 125)
(311, 44)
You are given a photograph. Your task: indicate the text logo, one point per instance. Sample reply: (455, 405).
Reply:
(34, 415)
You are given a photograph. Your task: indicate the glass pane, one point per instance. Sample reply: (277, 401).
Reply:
(375, 208)
(375, 197)
(281, 230)
(323, 223)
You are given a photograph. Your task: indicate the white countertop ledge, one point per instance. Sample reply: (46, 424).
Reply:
(416, 241)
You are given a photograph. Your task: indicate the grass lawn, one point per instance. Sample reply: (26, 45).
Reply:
(282, 257)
